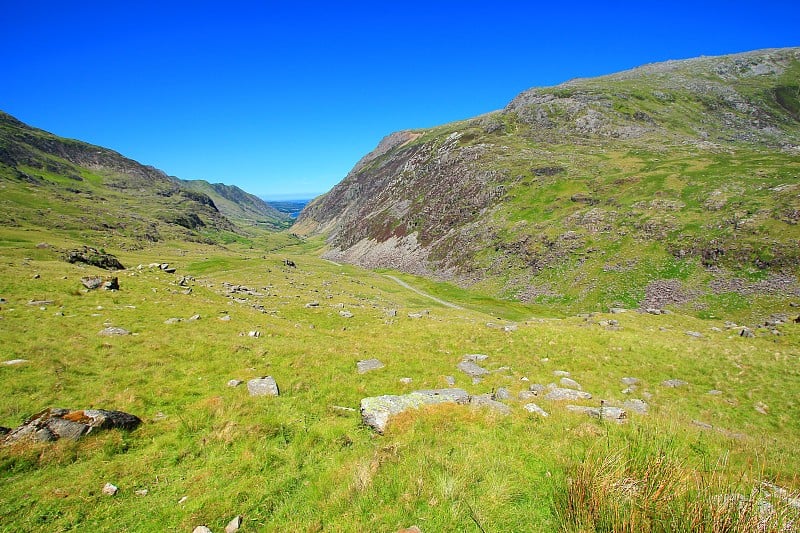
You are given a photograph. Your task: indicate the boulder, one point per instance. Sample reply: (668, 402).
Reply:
(535, 409)
(57, 423)
(91, 256)
(376, 411)
(615, 414)
(636, 405)
(263, 386)
(113, 332)
(558, 394)
(234, 524)
(471, 369)
(92, 282)
(366, 365)
(501, 394)
(486, 400)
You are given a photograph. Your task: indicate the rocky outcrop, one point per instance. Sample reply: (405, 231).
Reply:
(56, 423)
(377, 410)
(494, 199)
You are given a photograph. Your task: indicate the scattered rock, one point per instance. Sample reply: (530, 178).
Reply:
(254, 334)
(56, 423)
(346, 314)
(309, 305)
(746, 332)
(537, 388)
(113, 332)
(406, 381)
(40, 302)
(636, 405)
(695, 334)
(12, 362)
(561, 373)
(533, 408)
(183, 500)
(225, 318)
(235, 382)
(570, 384)
(471, 369)
(715, 392)
(617, 310)
(476, 357)
(451, 381)
(702, 425)
(110, 489)
(92, 282)
(173, 320)
(412, 529)
(368, 364)
(615, 414)
(653, 311)
(415, 315)
(525, 395)
(630, 381)
(193, 318)
(762, 408)
(377, 410)
(674, 383)
(501, 394)
(485, 400)
(199, 529)
(234, 524)
(557, 394)
(141, 492)
(263, 386)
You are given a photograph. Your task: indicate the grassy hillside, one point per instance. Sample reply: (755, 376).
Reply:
(299, 462)
(674, 185)
(99, 197)
(245, 209)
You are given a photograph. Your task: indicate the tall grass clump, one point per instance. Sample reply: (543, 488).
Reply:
(647, 486)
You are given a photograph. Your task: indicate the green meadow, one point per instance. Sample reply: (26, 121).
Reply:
(207, 452)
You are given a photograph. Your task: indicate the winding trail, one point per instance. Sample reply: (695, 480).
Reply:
(425, 294)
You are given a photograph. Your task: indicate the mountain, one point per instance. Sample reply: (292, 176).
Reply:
(673, 183)
(55, 183)
(241, 207)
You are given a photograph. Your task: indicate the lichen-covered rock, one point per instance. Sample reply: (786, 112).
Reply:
(377, 410)
(557, 394)
(471, 369)
(368, 364)
(614, 414)
(263, 386)
(57, 423)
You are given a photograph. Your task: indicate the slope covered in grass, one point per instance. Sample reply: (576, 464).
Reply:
(298, 462)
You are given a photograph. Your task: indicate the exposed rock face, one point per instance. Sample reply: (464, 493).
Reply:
(56, 423)
(477, 200)
(377, 410)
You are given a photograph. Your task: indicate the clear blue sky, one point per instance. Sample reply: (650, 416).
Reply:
(283, 98)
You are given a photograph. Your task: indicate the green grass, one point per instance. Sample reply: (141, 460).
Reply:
(294, 462)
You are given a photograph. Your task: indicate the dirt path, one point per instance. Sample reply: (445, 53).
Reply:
(425, 294)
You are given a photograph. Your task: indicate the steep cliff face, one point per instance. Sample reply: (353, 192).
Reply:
(592, 190)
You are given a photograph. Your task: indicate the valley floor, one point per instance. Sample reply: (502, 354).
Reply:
(721, 445)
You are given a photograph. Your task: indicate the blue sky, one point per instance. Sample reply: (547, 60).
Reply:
(282, 98)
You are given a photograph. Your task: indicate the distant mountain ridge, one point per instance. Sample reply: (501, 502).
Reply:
(595, 191)
(69, 185)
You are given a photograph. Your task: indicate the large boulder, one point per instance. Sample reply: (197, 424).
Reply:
(91, 256)
(265, 386)
(377, 410)
(56, 423)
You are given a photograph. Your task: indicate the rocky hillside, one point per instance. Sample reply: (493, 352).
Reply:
(673, 183)
(56, 183)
